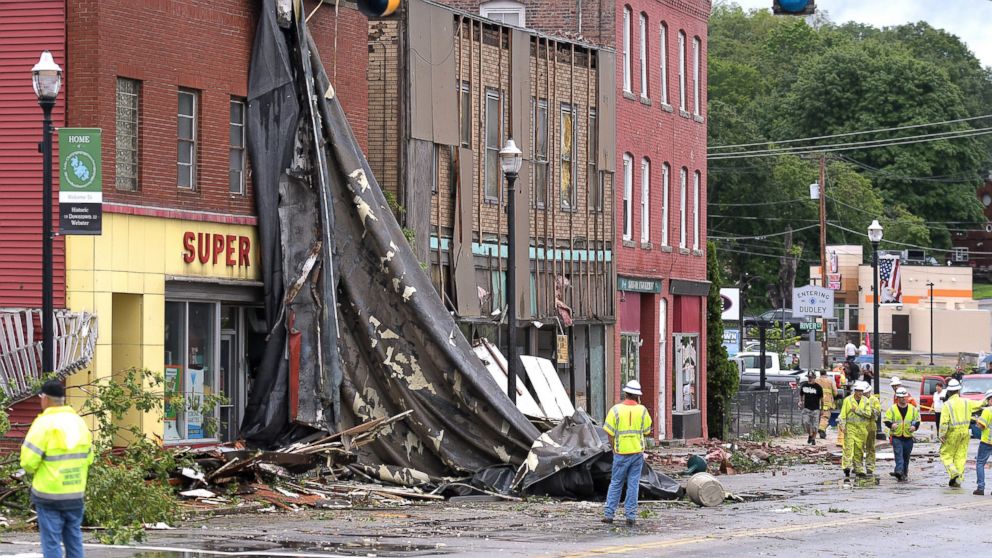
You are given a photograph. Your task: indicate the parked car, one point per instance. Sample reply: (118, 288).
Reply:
(780, 315)
(928, 385)
(775, 376)
(973, 386)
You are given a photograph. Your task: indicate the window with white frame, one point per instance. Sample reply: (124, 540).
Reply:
(644, 55)
(645, 200)
(236, 155)
(492, 145)
(696, 46)
(595, 177)
(681, 70)
(626, 49)
(961, 254)
(695, 210)
(187, 127)
(628, 186)
(663, 56)
(126, 140)
(665, 172)
(684, 176)
(505, 11)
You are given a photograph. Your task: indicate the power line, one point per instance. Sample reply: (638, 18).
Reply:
(930, 248)
(947, 179)
(756, 204)
(763, 236)
(935, 136)
(846, 134)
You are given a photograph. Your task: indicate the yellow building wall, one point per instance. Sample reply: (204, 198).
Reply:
(120, 276)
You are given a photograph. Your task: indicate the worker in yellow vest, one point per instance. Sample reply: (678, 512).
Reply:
(57, 452)
(955, 431)
(855, 413)
(871, 432)
(627, 424)
(902, 420)
(984, 422)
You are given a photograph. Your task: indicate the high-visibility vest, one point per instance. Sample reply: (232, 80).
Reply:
(58, 451)
(854, 412)
(956, 414)
(986, 421)
(628, 423)
(902, 426)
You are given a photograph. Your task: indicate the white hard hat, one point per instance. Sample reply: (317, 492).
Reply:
(953, 385)
(988, 393)
(860, 386)
(895, 381)
(633, 387)
(901, 392)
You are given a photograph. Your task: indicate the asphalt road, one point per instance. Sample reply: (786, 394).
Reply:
(798, 511)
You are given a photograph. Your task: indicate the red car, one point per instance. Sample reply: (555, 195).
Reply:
(973, 386)
(928, 385)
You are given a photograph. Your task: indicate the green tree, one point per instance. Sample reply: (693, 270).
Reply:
(722, 379)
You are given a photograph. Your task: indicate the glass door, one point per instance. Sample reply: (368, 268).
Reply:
(229, 373)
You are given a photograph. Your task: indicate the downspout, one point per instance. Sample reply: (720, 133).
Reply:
(578, 11)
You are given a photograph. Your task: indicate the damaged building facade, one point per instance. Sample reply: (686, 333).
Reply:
(174, 279)
(660, 193)
(446, 90)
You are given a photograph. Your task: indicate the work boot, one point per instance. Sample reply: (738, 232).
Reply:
(979, 492)
(809, 440)
(607, 520)
(812, 441)
(823, 434)
(954, 483)
(861, 475)
(847, 473)
(631, 522)
(895, 474)
(903, 477)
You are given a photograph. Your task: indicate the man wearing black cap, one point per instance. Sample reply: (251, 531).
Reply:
(810, 399)
(57, 452)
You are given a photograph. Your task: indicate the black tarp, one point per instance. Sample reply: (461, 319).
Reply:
(395, 346)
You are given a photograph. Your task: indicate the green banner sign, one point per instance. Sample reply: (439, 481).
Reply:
(810, 326)
(80, 181)
(632, 285)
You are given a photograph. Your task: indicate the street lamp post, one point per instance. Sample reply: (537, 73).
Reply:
(875, 236)
(47, 79)
(930, 286)
(511, 158)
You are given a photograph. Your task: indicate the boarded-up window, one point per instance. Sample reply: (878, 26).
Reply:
(236, 157)
(466, 114)
(567, 152)
(492, 145)
(126, 148)
(187, 124)
(541, 153)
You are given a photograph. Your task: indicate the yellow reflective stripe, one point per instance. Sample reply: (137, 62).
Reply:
(66, 456)
(56, 497)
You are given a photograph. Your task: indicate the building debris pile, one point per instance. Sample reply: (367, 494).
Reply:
(740, 456)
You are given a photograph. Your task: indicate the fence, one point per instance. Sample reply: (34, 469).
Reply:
(768, 412)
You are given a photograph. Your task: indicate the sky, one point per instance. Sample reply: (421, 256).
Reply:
(971, 20)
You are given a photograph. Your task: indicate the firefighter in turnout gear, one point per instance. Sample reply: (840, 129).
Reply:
(827, 404)
(955, 431)
(57, 452)
(854, 416)
(627, 424)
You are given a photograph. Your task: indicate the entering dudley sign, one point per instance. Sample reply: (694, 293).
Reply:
(812, 301)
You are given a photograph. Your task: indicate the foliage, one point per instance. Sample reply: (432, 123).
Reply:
(981, 290)
(722, 378)
(774, 341)
(772, 78)
(120, 499)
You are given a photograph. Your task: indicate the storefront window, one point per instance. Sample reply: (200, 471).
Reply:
(191, 369)
(686, 371)
(630, 359)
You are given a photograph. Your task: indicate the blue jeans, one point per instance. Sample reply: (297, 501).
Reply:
(626, 470)
(902, 448)
(59, 526)
(984, 453)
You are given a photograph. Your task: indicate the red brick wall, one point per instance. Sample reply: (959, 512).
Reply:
(198, 44)
(560, 17)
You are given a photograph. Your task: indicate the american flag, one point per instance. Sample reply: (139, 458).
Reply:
(889, 280)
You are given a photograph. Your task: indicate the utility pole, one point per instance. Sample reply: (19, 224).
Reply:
(823, 245)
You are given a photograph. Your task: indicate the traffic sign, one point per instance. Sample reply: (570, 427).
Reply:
(812, 301)
(810, 326)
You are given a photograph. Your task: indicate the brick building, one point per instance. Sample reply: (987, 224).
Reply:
(973, 242)
(660, 191)
(465, 86)
(174, 277)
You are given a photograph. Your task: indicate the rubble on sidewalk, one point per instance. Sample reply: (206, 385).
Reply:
(720, 455)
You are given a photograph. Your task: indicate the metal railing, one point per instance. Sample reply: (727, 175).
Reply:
(771, 413)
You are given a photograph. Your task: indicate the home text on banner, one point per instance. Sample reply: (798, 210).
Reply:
(80, 181)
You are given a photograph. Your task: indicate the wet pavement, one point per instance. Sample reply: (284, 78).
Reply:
(805, 510)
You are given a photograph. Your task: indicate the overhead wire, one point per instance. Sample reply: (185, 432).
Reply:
(906, 244)
(848, 134)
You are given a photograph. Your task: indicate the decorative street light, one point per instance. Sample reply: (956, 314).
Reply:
(930, 286)
(510, 159)
(47, 79)
(875, 236)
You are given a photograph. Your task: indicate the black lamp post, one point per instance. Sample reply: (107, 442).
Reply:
(47, 79)
(875, 236)
(930, 286)
(511, 158)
